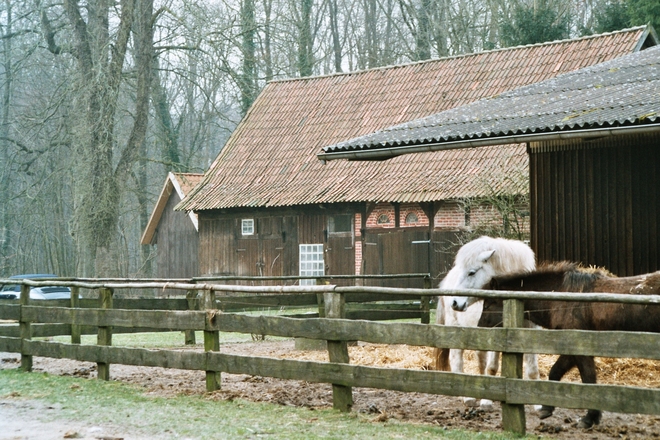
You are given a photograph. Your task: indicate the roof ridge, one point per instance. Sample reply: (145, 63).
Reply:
(187, 174)
(453, 57)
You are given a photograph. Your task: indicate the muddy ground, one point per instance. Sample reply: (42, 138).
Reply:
(380, 405)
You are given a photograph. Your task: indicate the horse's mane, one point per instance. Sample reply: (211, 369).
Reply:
(575, 277)
(510, 255)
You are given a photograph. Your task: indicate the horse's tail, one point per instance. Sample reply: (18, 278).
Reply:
(441, 356)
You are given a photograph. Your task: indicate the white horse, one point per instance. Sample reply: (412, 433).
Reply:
(476, 263)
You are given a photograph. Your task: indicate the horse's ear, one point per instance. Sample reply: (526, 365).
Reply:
(485, 255)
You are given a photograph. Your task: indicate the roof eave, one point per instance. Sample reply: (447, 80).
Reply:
(390, 152)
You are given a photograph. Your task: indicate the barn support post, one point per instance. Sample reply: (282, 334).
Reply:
(335, 307)
(25, 330)
(425, 302)
(211, 339)
(104, 333)
(75, 303)
(191, 298)
(513, 415)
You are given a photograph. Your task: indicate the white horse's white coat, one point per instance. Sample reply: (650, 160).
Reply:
(476, 263)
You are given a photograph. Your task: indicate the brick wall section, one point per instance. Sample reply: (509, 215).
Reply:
(450, 216)
(381, 209)
(485, 216)
(412, 208)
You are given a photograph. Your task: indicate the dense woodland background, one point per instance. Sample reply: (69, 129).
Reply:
(99, 99)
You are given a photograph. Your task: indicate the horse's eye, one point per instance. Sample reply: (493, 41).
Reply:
(472, 272)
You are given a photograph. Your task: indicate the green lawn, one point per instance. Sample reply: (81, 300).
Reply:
(199, 417)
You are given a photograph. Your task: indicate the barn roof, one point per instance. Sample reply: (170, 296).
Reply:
(182, 183)
(270, 158)
(615, 97)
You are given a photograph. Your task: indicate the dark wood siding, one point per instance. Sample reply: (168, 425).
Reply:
(177, 243)
(408, 250)
(273, 249)
(596, 202)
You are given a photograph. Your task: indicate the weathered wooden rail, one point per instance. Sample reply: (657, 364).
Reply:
(370, 306)
(334, 328)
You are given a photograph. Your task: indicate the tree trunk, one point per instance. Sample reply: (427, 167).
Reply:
(247, 81)
(305, 41)
(268, 57)
(422, 40)
(334, 29)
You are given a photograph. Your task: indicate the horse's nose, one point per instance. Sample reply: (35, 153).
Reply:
(457, 306)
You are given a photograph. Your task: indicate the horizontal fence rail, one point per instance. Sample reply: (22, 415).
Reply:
(202, 310)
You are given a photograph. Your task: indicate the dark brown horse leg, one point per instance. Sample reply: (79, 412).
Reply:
(441, 356)
(587, 368)
(562, 365)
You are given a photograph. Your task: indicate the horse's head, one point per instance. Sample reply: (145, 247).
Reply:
(471, 273)
(491, 316)
(478, 261)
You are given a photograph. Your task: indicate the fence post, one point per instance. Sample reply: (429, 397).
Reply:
(211, 341)
(75, 328)
(319, 297)
(342, 396)
(513, 416)
(425, 303)
(104, 334)
(314, 344)
(26, 331)
(191, 297)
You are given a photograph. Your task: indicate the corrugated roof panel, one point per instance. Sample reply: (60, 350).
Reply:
(620, 92)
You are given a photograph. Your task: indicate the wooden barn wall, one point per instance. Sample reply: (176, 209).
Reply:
(273, 249)
(408, 250)
(597, 202)
(177, 243)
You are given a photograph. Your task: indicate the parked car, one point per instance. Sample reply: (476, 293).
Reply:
(13, 291)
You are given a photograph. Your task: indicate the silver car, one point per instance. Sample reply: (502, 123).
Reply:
(13, 291)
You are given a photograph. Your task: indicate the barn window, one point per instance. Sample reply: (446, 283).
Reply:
(383, 219)
(311, 262)
(411, 218)
(340, 223)
(247, 226)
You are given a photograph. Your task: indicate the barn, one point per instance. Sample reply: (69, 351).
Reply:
(592, 137)
(267, 205)
(173, 233)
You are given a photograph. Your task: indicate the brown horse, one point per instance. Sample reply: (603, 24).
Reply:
(569, 277)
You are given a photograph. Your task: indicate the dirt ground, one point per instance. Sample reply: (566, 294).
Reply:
(380, 405)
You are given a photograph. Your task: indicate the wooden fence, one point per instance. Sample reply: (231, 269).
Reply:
(509, 388)
(369, 306)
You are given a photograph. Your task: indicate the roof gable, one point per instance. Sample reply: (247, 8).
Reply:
(270, 159)
(182, 184)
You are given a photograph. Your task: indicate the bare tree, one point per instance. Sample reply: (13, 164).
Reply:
(305, 37)
(247, 81)
(334, 31)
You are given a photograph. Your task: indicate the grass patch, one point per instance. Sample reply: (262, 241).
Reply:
(160, 339)
(200, 417)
